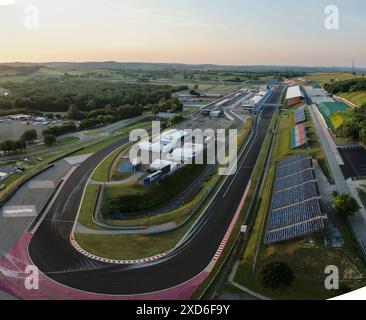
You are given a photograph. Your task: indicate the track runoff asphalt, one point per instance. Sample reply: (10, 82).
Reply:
(51, 251)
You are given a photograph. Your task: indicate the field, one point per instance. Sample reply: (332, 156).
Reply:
(328, 77)
(334, 113)
(358, 97)
(126, 247)
(339, 118)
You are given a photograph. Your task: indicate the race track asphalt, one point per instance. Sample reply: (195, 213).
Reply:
(51, 251)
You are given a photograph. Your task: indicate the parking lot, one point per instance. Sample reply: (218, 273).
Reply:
(13, 129)
(355, 161)
(205, 122)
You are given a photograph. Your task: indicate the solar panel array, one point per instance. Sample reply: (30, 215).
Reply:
(300, 115)
(295, 205)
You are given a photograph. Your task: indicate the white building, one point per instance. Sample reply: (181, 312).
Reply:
(165, 143)
(20, 117)
(161, 164)
(144, 146)
(162, 147)
(3, 176)
(294, 96)
(186, 153)
(294, 92)
(156, 147)
(254, 102)
(171, 136)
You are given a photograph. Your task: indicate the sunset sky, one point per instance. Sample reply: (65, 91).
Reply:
(235, 32)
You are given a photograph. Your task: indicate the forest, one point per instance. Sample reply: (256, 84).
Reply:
(57, 94)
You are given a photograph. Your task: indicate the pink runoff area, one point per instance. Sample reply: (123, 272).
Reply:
(14, 263)
(12, 277)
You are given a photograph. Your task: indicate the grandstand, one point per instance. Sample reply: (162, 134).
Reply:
(295, 208)
(298, 136)
(300, 115)
(294, 180)
(294, 167)
(295, 214)
(295, 231)
(293, 159)
(293, 195)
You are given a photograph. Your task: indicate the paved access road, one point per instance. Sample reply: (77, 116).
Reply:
(51, 251)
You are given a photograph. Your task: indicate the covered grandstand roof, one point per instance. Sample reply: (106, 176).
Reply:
(294, 92)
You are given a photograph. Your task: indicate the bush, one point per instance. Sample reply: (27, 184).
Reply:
(11, 146)
(345, 205)
(29, 135)
(59, 130)
(277, 275)
(49, 139)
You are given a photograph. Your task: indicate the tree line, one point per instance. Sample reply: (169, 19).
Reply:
(57, 94)
(18, 145)
(352, 85)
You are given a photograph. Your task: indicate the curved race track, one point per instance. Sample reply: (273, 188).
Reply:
(51, 251)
